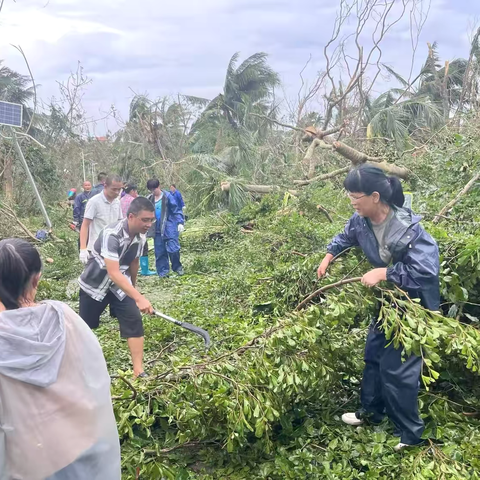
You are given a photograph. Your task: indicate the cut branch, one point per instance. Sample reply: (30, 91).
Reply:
(451, 204)
(325, 212)
(320, 178)
(325, 288)
(310, 159)
(355, 156)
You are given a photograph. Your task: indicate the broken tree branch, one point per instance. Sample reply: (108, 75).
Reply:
(11, 214)
(451, 204)
(325, 288)
(325, 212)
(325, 176)
(262, 189)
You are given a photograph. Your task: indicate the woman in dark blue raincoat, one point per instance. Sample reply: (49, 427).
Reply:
(401, 252)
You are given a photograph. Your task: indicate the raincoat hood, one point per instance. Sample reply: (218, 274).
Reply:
(32, 343)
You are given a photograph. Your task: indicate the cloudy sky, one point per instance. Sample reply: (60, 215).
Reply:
(164, 47)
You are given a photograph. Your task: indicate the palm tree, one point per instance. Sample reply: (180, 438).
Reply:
(247, 87)
(424, 102)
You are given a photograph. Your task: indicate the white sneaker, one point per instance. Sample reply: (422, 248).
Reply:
(351, 419)
(401, 446)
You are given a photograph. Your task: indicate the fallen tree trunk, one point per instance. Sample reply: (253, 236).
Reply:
(261, 189)
(451, 204)
(325, 176)
(309, 158)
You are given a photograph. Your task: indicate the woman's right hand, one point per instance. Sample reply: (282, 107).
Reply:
(322, 269)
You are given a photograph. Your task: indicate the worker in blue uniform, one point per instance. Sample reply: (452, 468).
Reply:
(166, 230)
(403, 253)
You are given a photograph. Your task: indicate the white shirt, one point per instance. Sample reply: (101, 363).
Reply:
(102, 213)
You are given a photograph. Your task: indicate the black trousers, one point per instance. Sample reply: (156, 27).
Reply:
(390, 385)
(126, 311)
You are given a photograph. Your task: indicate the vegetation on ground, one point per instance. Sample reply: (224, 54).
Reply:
(262, 178)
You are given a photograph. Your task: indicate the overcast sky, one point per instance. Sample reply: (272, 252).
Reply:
(164, 47)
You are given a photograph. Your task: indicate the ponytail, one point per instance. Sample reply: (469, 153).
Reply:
(397, 197)
(368, 179)
(19, 261)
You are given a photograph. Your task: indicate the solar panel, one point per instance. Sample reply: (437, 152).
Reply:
(10, 114)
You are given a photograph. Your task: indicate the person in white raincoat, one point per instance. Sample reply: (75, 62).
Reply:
(56, 415)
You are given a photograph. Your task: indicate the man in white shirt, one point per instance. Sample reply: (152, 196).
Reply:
(102, 210)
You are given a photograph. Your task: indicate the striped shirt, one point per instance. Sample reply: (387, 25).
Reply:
(102, 213)
(113, 243)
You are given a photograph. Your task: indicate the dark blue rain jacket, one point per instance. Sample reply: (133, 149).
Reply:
(171, 216)
(415, 261)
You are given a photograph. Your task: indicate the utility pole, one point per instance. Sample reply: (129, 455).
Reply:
(30, 178)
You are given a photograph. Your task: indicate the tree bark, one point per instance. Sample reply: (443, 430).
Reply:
(310, 159)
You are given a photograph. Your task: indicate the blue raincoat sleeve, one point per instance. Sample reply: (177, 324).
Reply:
(344, 240)
(77, 208)
(180, 201)
(419, 268)
(175, 213)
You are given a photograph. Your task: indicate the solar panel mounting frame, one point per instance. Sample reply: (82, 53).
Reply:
(9, 115)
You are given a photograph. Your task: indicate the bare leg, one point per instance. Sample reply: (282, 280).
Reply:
(136, 351)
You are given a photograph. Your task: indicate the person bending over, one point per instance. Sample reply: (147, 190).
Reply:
(401, 252)
(110, 276)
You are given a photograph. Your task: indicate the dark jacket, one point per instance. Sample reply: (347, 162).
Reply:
(415, 259)
(171, 216)
(97, 189)
(179, 199)
(79, 207)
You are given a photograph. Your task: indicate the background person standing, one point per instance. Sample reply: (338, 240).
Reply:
(102, 210)
(81, 203)
(131, 192)
(166, 230)
(98, 188)
(177, 196)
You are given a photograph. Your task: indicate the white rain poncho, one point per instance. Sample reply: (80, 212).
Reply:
(56, 415)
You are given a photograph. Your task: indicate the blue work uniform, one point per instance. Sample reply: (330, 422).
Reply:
(178, 198)
(390, 384)
(165, 233)
(79, 207)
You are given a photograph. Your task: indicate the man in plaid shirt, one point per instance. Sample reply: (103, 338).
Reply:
(110, 276)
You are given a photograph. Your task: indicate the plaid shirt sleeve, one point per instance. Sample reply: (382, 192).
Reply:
(110, 249)
(125, 204)
(90, 211)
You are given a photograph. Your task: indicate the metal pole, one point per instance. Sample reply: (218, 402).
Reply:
(30, 177)
(83, 163)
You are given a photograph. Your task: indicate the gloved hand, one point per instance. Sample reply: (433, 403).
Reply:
(181, 228)
(83, 256)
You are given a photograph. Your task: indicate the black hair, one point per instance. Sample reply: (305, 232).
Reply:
(173, 185)
(101, 177)
(130, 187)
(368, 179)
(19, 261)
(140, 204)
(152, 184)
(113, 178)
